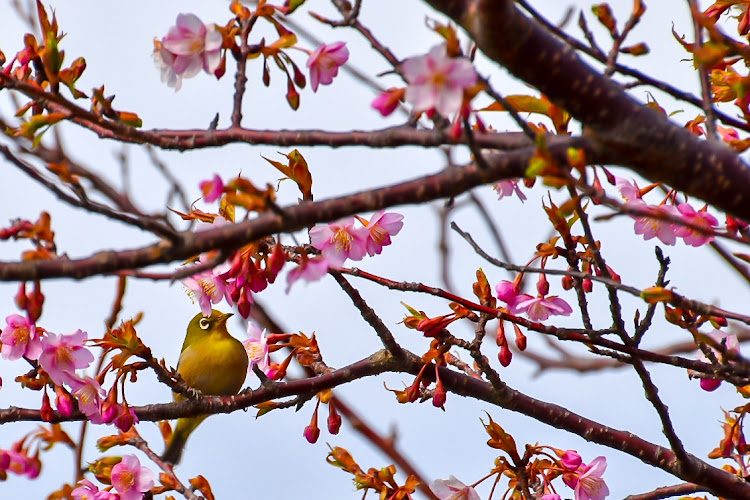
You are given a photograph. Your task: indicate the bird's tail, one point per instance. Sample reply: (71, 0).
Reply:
(176, 444)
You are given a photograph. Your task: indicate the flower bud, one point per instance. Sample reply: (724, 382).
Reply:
(505, 356)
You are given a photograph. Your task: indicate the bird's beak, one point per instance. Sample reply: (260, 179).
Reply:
(224, 317)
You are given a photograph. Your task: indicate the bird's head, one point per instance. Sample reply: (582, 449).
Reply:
(202, 325)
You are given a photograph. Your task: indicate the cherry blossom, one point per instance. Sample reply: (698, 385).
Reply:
(308, 269)
(540, 308)
(590, 484)
(379, 230)
(130, 479)
(438, 81)
(188, 47)
(654, 226)
(507, 187)
(324, 63)
(339, 241)
(702, 219)
(20, 338)
(89, 394)
(453, 489)
(209, 287)
(256, 346)
(62, 355)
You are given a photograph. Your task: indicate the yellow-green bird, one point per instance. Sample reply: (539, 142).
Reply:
(211, 361)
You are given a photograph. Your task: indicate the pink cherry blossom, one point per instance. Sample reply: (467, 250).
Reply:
(130, 479)
(540, 308)
(212, 189)
(629, 191)
(438, 81)
(702, 219)
(208, 287)
(309, 270)
(551, 496)
(324, 63)
(256, 346)
(379, 230)
(89, 394)
(654, 226)
(188, 47)
(507, 187)
(339, 241)
(453, 489)
(62, 355)
(19, 338)
(89, 491)
(590, 484)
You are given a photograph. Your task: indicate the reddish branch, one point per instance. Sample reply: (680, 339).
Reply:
(716, 480)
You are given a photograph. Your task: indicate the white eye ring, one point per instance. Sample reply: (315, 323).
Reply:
(203, 323)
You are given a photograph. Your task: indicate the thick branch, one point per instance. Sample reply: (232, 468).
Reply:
(644, 140)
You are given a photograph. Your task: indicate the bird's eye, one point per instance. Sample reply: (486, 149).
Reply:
(203, 323)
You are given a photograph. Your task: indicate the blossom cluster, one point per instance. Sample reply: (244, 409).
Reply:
(191, 46)
(665, 221)
(129, 479)
(60, 356)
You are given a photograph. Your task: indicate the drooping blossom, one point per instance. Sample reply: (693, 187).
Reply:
(89, 394)
(130, 479)
(324, 63)
(339, 241)
(188, 47)
(650, 226)
(208, 287)
(507, 187)
(308, 270)
(590, 485)
(256, 346)
(387, 102)
(62, 355)
(701, 219)
(732, 346)
(453, 489)
(379, 230)
(551, 496)
(540, 308)
(19, 338)
(212, 188)
(437, 81)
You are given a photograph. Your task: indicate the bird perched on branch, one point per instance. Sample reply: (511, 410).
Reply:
(211, 361)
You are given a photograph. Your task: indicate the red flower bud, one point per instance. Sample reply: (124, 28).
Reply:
(46, 411)
(542, 285)
(567, 282)
(505, 356)
(334, 419)
(438, 399)
(587, 285)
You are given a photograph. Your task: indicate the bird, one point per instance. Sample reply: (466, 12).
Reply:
(211, 361)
